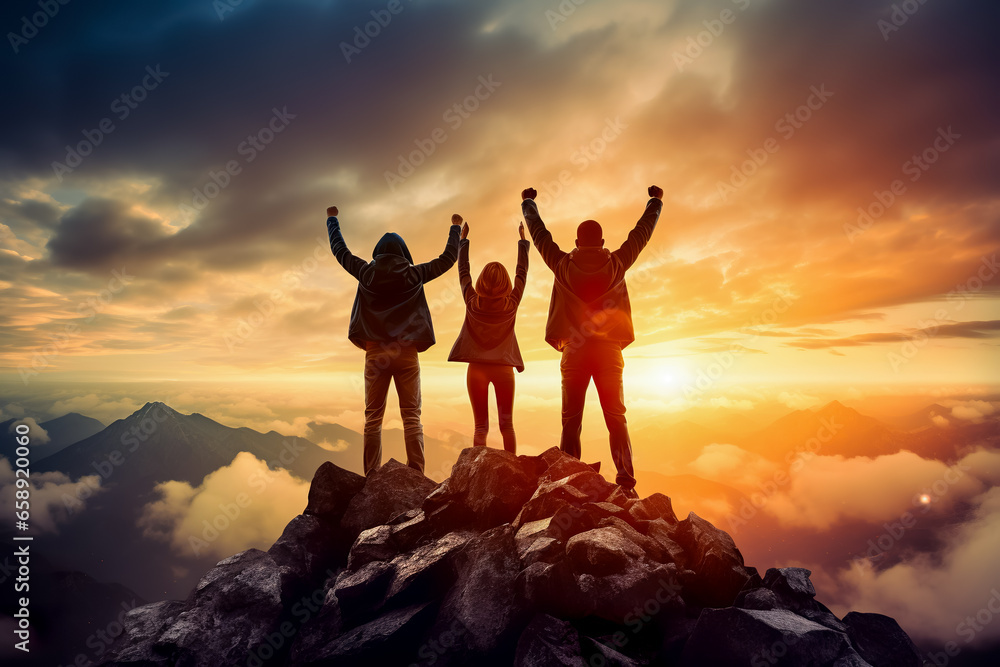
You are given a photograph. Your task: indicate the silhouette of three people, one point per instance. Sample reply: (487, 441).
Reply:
(589, 323)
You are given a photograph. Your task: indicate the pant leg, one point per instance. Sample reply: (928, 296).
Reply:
(378, 373)
(575, 380)
(503, 385)
(406, 375)
(478, 382)
(610, 389)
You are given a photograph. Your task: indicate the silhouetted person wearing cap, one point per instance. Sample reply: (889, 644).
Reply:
(391, 322)
(590, 322)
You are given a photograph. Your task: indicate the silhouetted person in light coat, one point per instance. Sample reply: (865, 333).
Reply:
(391, 322)
(590, 321)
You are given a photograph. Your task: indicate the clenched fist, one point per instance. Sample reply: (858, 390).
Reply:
(528, 193)
(331, 211)
(656, 192)
(456, 219)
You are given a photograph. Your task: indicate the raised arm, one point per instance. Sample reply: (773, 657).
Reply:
(351, 263)
(521, 273)
(643, 230)
(464, 275)
(428, 271)
(547, 248)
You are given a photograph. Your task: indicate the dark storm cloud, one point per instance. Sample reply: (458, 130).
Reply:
(99, 234)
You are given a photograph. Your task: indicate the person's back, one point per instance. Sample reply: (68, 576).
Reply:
(391, 321)
(590, 322)
(487, 341)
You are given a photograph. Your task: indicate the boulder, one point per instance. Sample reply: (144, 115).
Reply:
(142, 626)
(711, 554)
(880, 641)
(392, 489)
(600, 653)
(577, 490)
(472, 628)
(391, 639)
(331, 491)
(549, 642)
(735, 636)
(241, 597)
(601, 551)
(663, 533)
(656, 506)
(310, 548)
(491, 483)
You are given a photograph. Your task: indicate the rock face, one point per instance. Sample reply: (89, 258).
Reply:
(513, 560)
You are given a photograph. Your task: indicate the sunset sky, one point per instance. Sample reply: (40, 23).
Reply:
(830, 224)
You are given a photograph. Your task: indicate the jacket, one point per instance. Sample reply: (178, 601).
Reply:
(589, 295)
(487, 334)
(390, 305)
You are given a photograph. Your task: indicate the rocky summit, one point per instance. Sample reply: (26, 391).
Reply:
(513, 560)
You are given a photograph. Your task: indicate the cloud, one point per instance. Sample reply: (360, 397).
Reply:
(338, 446)
(731, 465)
(239, 506)
(973, 330)
(55, 498)
(938, 597)
(828, 489)
(37, 434)
(796, 400)
(974, 411)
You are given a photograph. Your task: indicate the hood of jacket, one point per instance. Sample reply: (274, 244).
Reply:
(392, 243)
(589, 272)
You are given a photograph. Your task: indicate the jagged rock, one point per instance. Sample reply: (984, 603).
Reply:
(880, 641)
(390, 490)
(390, 639)
(309, 547)
(142, 626)
(242, 593)
(761, 599)
(656, 506)
(601, 551)
(599, 653)
(513, 560)
(563, 465)
(485, 627)
(734, 636)
(331, 491)
(376, 543)
(491, 483)
(790, 582)
(663, 533)
(577, 490)
(715, 560)
(548, 642)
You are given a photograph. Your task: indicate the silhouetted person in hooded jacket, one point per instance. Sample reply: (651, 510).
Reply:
(590, 322)
(391, 322)
(487, 341)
